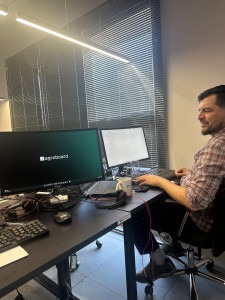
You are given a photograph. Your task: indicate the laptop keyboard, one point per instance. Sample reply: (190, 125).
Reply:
(101, 188)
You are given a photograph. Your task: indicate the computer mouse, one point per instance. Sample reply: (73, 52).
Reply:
(62, 217)
(139, 188)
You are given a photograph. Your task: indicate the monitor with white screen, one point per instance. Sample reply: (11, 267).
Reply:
(124, 145)
(33, 161)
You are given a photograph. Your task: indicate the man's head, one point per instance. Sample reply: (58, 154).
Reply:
(212, 110)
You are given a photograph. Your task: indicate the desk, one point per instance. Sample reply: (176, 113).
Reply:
(88, 224)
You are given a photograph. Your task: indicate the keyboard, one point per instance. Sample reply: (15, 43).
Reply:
(165, 173)
(102, 188)
(19, 234)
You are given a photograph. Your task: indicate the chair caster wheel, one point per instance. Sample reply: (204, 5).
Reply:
(149, 289)
(98, 244)
(209, 266)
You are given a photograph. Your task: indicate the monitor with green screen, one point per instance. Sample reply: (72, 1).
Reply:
(32, 161)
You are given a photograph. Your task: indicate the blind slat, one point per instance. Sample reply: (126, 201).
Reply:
(55, 85)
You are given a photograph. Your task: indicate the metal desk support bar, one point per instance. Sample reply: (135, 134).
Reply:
(60, 290)
(130, 260)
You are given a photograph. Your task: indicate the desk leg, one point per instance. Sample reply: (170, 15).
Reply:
(64, 281)
(62, 289)
(130, 260)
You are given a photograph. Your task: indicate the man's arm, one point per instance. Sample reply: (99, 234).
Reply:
(176, 192)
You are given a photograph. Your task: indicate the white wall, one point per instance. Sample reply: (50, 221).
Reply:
(5, 121)
(194, 60)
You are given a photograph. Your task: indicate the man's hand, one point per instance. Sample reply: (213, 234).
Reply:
(182, 171)
(147, 179)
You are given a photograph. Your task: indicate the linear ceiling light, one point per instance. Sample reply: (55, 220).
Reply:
(62, 36)
(3, 10)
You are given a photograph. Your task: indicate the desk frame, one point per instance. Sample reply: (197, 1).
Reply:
(60, 290)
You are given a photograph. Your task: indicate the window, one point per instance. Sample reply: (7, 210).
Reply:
(55, 85)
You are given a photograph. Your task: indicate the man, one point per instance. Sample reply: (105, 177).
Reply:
(196, 192)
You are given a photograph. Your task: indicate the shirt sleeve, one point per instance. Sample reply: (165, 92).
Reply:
(205, 177)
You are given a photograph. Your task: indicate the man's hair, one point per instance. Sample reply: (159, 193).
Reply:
(219, 91)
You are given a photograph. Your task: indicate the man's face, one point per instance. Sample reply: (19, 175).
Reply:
(211, 116)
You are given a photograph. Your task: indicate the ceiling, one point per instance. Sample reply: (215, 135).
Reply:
(57, 13)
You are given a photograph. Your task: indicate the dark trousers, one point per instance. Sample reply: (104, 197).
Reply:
(162, 216)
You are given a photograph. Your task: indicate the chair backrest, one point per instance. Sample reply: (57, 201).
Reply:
(218, 245)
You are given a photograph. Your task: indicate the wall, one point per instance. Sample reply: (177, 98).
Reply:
(5, 121)
(194, 60)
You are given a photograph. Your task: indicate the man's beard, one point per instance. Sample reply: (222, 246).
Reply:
(210, 131)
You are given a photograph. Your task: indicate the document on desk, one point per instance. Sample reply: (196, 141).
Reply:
(12, 255)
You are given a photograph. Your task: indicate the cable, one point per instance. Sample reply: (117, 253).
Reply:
(20, 211)
(69, 292)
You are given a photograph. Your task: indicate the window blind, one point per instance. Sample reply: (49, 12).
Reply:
(55, 85)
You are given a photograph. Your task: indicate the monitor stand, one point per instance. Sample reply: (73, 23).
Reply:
(124, 170)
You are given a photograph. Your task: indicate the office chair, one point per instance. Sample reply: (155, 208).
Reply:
(214, 241)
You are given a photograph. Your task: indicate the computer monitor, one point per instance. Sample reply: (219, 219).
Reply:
(33, 161)
(124, 145)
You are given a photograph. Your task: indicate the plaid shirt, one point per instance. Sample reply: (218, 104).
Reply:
(204, 179)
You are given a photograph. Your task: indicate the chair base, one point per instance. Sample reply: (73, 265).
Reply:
(192, 269)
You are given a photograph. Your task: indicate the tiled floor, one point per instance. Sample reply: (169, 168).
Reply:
(101, 275)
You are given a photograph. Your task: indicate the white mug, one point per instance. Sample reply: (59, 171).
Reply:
(125, 184)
